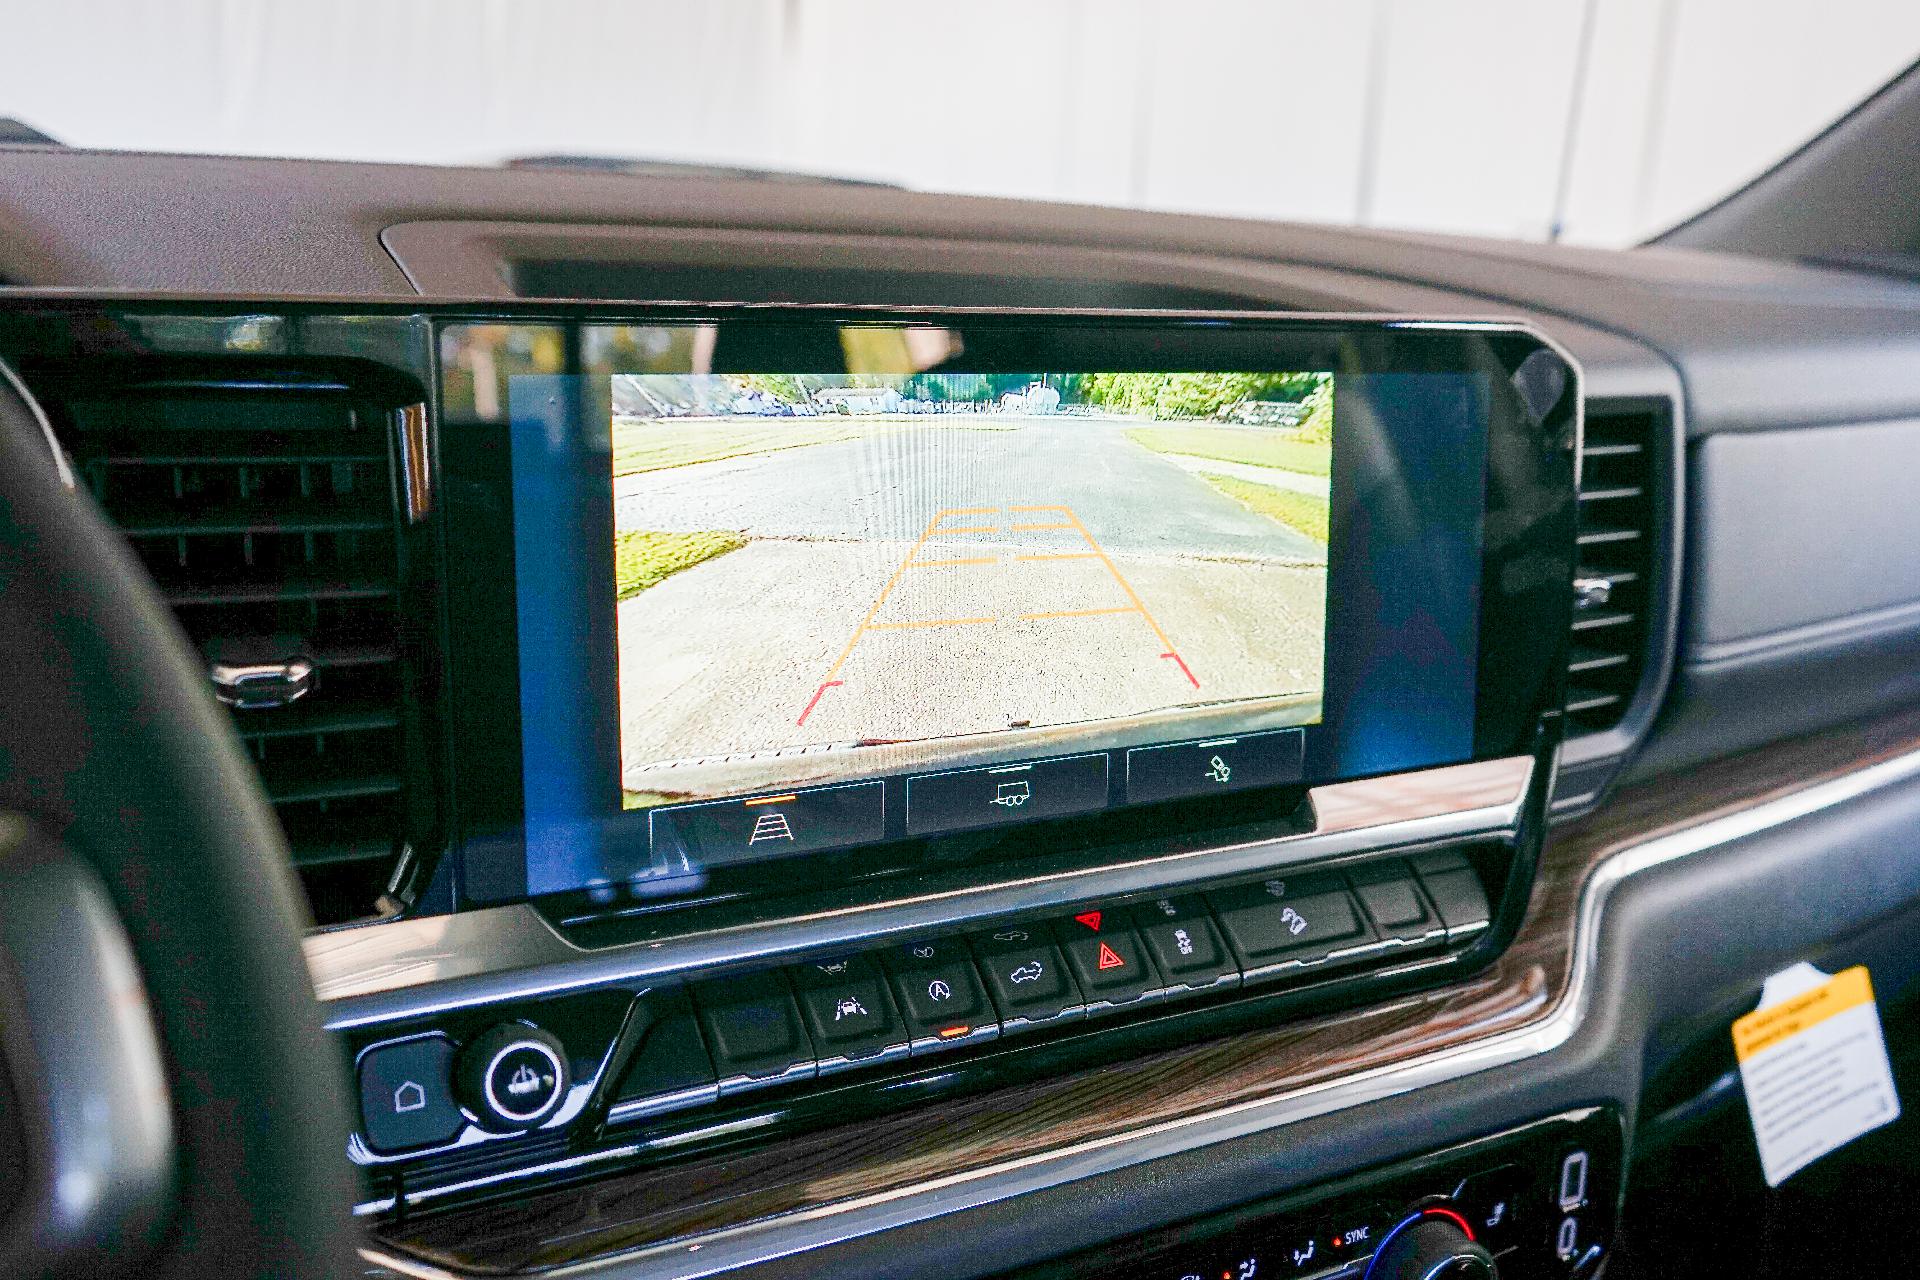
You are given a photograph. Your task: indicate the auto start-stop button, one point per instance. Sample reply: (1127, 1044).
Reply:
(513, 1076)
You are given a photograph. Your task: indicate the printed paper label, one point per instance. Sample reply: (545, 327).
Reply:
(1814, 1065)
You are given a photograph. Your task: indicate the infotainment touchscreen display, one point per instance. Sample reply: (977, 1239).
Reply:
(822, 577)
(789, 588)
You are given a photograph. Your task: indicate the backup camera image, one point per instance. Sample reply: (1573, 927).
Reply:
(832, 576)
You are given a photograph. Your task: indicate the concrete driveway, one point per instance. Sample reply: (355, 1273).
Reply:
(951, 581)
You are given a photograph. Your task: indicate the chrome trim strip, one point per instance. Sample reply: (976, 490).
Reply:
(416, 462)
(61, 465)
(412, 968)
(802, 1231)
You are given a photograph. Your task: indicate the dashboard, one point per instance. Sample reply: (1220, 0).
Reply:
(829, 730)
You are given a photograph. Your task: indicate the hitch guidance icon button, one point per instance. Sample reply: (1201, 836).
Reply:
(513, 1076)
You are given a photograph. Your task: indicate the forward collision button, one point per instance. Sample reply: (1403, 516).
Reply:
(849, 1011)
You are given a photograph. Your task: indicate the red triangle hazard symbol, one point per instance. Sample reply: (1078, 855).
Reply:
(1091, 919)
(1110, 959)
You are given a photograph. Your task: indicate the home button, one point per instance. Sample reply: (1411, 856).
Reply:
(513, 1076)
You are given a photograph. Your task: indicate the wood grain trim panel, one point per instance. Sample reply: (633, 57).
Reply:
(880, 1155)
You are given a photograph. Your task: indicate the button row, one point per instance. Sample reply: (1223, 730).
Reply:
(849, 814)
(717, 1038)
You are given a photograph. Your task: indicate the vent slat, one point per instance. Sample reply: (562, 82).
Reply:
(1581, 701)
(1616, 514)
(272, 592)
(1585, 660)
(300, 719)
(263, 508)
(344, 787)
(237, 523)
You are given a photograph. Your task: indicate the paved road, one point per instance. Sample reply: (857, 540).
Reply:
(949, 581)
(887, 486)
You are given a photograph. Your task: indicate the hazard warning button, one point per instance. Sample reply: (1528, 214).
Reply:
(1106, 956)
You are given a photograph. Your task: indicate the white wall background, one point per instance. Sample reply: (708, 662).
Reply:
(1611, 118)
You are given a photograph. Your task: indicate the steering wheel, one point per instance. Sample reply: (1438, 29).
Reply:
(169, 1100)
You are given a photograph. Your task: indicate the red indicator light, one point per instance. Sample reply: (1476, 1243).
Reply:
(951, 1033)
(1091, 919)
(1110, 959)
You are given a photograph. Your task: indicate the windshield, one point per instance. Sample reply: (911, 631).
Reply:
(1595, 121)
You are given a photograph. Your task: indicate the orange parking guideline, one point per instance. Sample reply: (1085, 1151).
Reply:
(1134, 596)
(933, 527)
(1077, 613)
(912, 561)
(927, 622)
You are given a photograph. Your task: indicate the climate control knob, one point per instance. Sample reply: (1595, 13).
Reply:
(1433, 1244)
(512, 1076)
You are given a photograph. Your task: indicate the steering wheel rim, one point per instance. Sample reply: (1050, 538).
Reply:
(113, 747)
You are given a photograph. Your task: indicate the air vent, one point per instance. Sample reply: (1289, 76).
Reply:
(265, 510)
(1611, 603)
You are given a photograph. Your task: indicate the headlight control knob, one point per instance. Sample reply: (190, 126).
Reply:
(512, 1076)
(1433, 1244)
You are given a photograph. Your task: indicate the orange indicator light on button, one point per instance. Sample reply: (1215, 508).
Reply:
(953, 1033)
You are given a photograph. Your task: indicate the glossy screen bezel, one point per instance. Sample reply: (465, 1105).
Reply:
(1527, 547)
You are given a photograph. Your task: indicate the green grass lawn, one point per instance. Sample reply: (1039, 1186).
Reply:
(1302, 511)
(1255, 446)
(642, 558)
(650, 446)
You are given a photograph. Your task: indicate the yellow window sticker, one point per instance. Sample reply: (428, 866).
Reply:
(1814, 1065)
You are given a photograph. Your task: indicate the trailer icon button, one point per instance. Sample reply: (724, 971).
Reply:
(967, 799)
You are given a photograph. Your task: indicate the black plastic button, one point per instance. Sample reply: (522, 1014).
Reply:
(406, 1095)
(1288, 920)
(963, 799)
(940, 995)
(1392, 899)
(849, 1011)
(670, 1066)
(1106, 958)
(760, 827)
(1180, 935)
(1026, 976)
(1218, 765)
(1432, 864)
(753, 1030)
(1495, 1202)
(1460, 900)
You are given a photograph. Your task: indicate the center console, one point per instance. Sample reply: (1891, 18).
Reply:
(859, 708)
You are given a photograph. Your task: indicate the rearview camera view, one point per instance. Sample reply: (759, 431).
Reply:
(832, 577)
